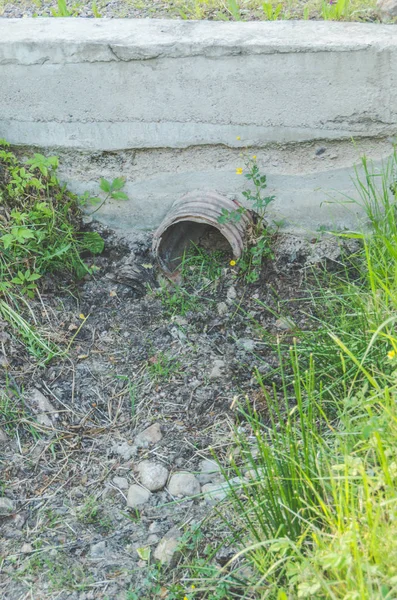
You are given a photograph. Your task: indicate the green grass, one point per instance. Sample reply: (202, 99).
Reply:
(316, 518)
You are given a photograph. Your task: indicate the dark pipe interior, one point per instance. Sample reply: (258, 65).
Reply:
(177, 238)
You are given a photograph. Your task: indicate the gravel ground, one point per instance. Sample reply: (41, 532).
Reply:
(75, 521)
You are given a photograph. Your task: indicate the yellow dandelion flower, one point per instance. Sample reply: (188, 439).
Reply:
(391, 354)
(232, 263)
(238, 138)
(185, 598)
(239, 171)
(254, 157)
(193, 587)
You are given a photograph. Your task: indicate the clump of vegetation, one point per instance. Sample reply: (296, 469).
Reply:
(39, 225)
(316, 518)
(259, 246)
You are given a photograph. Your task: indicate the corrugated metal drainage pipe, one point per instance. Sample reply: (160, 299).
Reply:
(192, 218)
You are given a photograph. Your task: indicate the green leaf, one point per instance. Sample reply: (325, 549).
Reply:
(34, 276)
(17, 280)
(144, 553)
(119, 196)
(117, 184)
(7, 240)
(105, 185)
(93, 242)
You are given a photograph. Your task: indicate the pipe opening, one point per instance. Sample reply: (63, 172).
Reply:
(179, 237)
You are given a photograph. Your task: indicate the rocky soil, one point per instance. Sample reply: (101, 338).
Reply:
(106, 452)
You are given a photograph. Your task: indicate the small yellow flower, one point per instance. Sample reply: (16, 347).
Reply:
(193, 587)
(254, 157)
(238, 138)
(232, 263)
(391, 354)
(81, 316)
(239, 171)
(185, 598)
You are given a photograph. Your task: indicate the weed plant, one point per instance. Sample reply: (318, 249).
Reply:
(316, 517)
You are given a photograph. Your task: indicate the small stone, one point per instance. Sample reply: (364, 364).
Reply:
(6, 506)
(137, 496)
(217, 370)
(246, 344)
(222, 309)
(41, 403)
(26, 548)
(183, 484)
(166, 551)
(152, 475)
(121, 482)
(387, 8)
(44, 419)
(152, 539)
(125, 450)
(284, 324)
(320, 151)
(151, 435)
(231, 295)
(209, 472)
(98, 550)
(215, 492)
(3, 437)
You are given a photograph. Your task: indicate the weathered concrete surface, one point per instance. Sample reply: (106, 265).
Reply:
(125, 94)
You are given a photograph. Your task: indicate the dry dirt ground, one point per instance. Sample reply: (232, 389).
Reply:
(135, 355)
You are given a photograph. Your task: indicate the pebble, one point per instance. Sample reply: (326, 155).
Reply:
(152, 475)
(209, 472)
(387, 8)
(125, 450)
(166, 551)
(215, 492)
(26, 548)
(217, 370)
(149, 436)
(41, 403)
(98, 550)
(231, 295)
(183, 484)
(121, 482)
(284, 324)
(320, 151)
(137, 496)
(6, 506)
(246, 344)
(222, 309)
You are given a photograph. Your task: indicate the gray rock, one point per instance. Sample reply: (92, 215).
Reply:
(121, 482)
(231, 295)
(152, 475)
(183, 484)
(137, 496)
(387, 8)
(215, 492)
(217, 370)
(246, 344)
(6, 506)
(166, 551)
(149, 436)
(26, 548)
(222, 309)
(44, 419)
(40, 403)
(284, 324)
(320, 151)
(98, 550)
(125, 450)
(209, 472)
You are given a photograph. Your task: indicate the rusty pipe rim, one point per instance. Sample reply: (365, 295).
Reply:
(198, 208)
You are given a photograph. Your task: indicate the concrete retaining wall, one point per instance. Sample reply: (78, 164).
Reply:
(163, 102)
